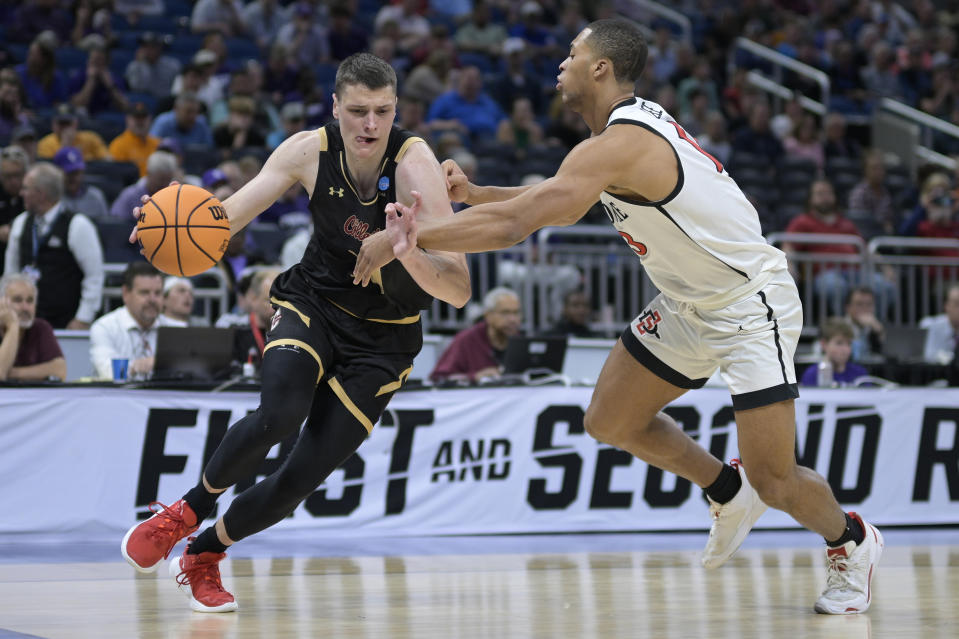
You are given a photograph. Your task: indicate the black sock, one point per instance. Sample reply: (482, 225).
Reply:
(201, 501)
(206, 541)
(853, 532)
(726, 485)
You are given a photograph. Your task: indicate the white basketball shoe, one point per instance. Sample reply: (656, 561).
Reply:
(849, 573)
(732, 521)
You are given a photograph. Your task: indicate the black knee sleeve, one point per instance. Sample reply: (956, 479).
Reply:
(331, 435)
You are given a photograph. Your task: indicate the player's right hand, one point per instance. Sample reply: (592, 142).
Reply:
(137, 210)
(457, 184)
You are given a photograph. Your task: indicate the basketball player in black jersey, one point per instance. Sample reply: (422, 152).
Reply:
(335, 352)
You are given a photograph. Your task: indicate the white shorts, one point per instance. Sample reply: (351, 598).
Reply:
(752, 342)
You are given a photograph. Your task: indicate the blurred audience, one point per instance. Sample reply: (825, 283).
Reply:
(177, 304)
(66, 131)
(161, 170)
(151, 71)
(13, 167)
(942, 331)
(135, 144)
(78, 196)
(574, 319)
(868, 331)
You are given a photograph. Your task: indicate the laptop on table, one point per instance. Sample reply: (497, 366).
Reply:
(193, 354)
(534, 355)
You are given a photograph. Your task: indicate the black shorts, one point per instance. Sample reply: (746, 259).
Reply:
(364, 362)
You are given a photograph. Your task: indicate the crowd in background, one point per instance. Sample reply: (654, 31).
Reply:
(103, 101)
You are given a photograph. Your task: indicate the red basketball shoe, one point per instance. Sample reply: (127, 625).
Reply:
(198, 577)
(149, 542)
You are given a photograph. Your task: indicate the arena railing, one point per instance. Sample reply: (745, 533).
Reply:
(214, 300)
(809, 260)
(642, 11)
(924, 277)
(781, 63)
(928, 126)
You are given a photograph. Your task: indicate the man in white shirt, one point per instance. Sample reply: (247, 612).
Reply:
(59, 248)
(130, 332)
(942, 331)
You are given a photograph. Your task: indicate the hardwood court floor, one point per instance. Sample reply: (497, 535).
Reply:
(596, 589)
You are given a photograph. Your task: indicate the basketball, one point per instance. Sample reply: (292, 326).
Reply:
(183, 230)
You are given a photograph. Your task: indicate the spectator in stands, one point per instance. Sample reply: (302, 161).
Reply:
(135, 144)
(838, 144)
(411, 26)
(263, 19)
(662, 54)
(517, 79)
(66, 132)
(477, 352)
(701, 80)
(246, 81)
(78, 196)
(130, 332)
(306, 40)
(43, 83)
(411, 113)
(212, 83)
(430, 79)
(28, 347)
(468, 106)
(868, 331)
(784, 123)
(223, 16)
(870, 202)
(239, 131)
(293, 200)
(835, 340)
(574, 319)
(345, 37)
(150, 71)
(439, 40)
(479, 34)
(293, 118)
(715, 139)
(565, 127)
(12, 111)
(539, 39)
(92, 18)
(756, 138)
(881, 77)
(804, 142)
(13, 166)
(848, 90)
(251, 336)
(177, 304)
(162, 168)
(59, 248)
(239, 315)
(942, 331)
(823, 216)
(934, 192)
(520, 130)
(95, 88)
(694, 120)
(184, 123)
(25, 138)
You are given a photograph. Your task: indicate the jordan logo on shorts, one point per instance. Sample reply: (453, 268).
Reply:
(648, 323)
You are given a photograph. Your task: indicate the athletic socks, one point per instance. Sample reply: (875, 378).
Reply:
(206, 541)
(853, 532)
(726, 485)
(201, 501)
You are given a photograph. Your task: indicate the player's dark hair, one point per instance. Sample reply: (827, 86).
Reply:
(138, 269)
(366, 69)
(622, 43)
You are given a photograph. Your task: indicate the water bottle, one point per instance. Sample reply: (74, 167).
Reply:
(824, 376)
(249, 370)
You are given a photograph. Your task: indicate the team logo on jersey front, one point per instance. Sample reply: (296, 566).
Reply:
(648, 322)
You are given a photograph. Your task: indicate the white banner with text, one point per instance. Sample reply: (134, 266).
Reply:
(506, 460)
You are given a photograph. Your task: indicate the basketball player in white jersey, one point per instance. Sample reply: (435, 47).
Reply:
(727, 301)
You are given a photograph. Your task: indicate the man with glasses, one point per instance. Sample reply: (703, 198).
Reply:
(478, 351)
(13, 166)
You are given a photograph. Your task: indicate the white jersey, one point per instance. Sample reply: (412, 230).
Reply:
(702, 243)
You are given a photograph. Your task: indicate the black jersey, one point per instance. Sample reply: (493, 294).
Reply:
(341, 220)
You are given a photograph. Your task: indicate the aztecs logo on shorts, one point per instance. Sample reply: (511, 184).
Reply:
(648, 322)
(276, 319)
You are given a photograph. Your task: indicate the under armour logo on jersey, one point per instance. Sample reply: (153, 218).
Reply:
(337, 192)
(647, 323)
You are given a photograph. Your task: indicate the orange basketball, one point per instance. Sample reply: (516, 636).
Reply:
(183, 230)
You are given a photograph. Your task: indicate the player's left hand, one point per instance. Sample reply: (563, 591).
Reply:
(401, 227)
(375, 253)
